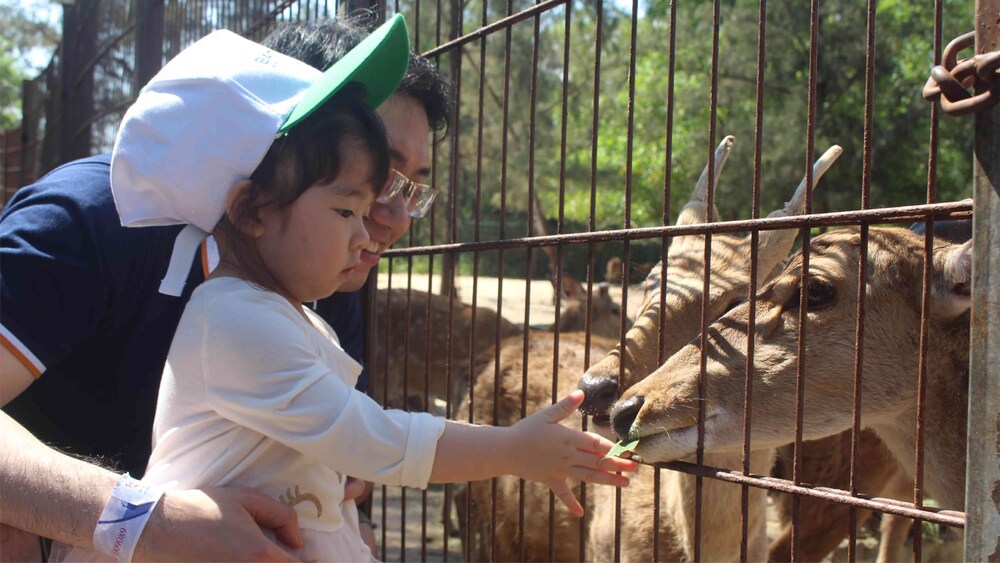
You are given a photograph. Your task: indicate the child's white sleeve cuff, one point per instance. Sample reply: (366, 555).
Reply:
(421, 449)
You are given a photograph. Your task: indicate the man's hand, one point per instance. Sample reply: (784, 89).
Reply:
(357, 490)
(219, 524)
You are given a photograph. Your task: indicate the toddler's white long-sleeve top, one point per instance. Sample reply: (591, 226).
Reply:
(259, 393)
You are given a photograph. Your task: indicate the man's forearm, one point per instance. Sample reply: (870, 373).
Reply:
(46, 492)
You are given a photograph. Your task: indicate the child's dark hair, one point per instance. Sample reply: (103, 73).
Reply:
(312, 152)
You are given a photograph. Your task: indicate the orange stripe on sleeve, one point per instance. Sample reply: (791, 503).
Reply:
(204, 258)
(20, 356)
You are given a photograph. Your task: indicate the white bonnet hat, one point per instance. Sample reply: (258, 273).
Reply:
(207, 119)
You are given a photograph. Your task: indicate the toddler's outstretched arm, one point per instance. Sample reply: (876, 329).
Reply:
(537, 448)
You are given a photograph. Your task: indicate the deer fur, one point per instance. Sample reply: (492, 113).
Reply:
(661, 410)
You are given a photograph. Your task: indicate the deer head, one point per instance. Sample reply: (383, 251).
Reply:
(661, 411)
(685, 270)
(605, 312)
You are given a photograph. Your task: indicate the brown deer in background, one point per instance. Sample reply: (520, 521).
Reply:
(420, 354)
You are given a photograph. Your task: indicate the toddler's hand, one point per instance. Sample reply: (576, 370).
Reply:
(551, 453)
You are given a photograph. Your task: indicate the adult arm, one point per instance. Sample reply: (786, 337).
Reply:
(14, 376)
(60, 497)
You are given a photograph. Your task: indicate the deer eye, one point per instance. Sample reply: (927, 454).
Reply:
(820, 294)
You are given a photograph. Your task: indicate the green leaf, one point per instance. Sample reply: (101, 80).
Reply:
(620, 448)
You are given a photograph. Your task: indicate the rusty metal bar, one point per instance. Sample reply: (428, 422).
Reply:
(754, 279)
(804, 283)
(532, 109)
(713, 96)
(477, 207)
(664, 247)
(905, 214)
(505, 109)
(982, 541)
(890, 506)
(859, 333)
(269, 18)
(385, 400)
(926, 277)
(494, 27)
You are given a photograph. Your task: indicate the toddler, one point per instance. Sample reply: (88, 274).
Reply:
(281, 163)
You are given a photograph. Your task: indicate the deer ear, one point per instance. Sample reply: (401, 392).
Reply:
(571, 288)
(952, 289)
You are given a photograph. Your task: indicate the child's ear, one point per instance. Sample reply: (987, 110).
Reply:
(952, 281)
(243, 209)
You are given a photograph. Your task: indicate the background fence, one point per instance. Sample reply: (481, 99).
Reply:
(598, 116)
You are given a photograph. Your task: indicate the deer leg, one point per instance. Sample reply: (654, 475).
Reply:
(827, 462)
(894, 530)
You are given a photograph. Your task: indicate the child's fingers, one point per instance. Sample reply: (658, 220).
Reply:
(597, 477)
(595, 443)
(563, 408)
(592, 461)
(565, 494)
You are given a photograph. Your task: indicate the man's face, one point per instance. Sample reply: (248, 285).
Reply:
(409, 148)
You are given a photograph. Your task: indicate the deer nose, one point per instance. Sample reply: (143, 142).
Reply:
(623, 415)
(601, 392)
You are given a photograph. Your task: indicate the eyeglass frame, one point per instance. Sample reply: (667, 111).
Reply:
(419, 197)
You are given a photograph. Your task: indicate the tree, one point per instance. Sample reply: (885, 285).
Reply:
(30, 36)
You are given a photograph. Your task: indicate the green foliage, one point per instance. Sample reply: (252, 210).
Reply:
(570, 178)
(29, 36)
(11, 76)
(620, 448)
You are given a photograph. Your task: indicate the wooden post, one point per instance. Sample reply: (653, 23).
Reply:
(982, 482)
(77, 79)
(148, 41)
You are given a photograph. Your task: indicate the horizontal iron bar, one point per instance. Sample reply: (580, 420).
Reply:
(938, 211)
(498, 25)
(887, 505)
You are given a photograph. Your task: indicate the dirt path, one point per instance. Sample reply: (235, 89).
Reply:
(515, 295)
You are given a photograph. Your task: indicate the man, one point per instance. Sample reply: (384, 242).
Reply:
(85, 334)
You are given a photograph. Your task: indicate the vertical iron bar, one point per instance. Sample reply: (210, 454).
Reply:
(804, 281)
(532, 109)
(505, 123)
(664, 249)
(477, 207)
(754, 255)
(918, 470)
(707, 278)
(385, 399)
(862, 273)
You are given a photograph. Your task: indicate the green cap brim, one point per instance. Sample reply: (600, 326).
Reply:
(379, 63)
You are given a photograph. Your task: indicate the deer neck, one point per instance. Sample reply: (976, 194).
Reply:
(944, 425)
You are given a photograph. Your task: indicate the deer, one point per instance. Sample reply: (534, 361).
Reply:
(828, 461)
(661, 410)
(687, 264)
(681, 318)
(473, 331)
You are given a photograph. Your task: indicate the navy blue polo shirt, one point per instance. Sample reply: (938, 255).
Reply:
(80, 307)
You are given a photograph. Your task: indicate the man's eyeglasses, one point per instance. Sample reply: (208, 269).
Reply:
(419, 197)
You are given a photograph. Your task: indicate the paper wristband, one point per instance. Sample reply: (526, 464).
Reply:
(124, 517)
